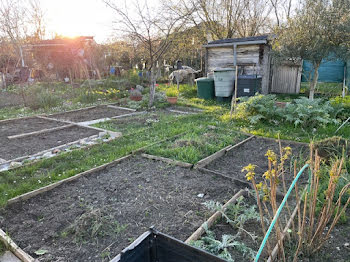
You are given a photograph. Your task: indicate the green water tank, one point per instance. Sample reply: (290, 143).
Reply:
(205, 88)
(224, 81)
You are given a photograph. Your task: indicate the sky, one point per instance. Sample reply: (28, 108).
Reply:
(79, 17)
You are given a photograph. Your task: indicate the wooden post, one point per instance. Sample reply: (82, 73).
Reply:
(234, 98)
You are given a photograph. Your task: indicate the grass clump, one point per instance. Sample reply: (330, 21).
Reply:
(93, 223)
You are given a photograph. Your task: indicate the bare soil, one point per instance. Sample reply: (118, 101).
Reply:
(90, 114)
(29, 145)
(253, 152)
(95, 217)
(26, 125)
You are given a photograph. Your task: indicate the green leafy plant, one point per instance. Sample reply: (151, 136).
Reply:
(258, 108)
(221, 247)
(172, 92)
(236, 215)
(342, 104)
(310, 113)
(301, 112)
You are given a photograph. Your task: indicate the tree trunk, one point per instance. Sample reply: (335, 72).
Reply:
(313, 83)
(152, 89)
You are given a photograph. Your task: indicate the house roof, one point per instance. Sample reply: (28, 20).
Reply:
(241, 39)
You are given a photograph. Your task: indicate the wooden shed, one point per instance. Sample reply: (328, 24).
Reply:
(252, 56)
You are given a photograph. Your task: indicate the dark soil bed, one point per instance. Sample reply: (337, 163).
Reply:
(95, 217)
(90, 114)
(29, 145)
(253, 152)
(26, 125)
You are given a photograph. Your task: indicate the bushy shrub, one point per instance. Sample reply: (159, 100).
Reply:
(258, 108)
(133, 77)
(172, 92)
(342, 105)
(300, 112)
(309, 113)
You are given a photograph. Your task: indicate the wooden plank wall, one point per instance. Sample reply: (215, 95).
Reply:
(255, 59)
(286, 79)
(247, 58)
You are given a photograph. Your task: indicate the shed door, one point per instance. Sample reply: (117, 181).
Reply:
(286, 79)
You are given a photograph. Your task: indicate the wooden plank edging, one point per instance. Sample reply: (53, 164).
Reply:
(74, 110)
(237, 181)
(14, 248)
(240, 143)
(17, 118)
(33, 193)
(200, 231)
(206, 161)
(46, 130)
(168, 160)
(121, 108)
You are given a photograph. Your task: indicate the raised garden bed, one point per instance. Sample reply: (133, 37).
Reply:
(253, 152)
(29, 145)
(25, 125)
(95, 217)
(197, 144)
(91, 113)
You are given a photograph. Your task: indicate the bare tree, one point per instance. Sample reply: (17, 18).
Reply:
(225, 18)
(37, 17)
(20, 19)
(13, 18)
(153, 30)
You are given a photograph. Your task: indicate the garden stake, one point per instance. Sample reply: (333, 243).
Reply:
(234, 98)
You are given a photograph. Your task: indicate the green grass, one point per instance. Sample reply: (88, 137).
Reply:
(137, 123)
(196, 144)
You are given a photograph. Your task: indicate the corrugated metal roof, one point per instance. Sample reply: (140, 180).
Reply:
(242, 39)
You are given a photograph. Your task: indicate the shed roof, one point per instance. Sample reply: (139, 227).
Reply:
(241, 39)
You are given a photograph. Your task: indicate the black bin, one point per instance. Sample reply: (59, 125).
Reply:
(153, 246)
(248, 85)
